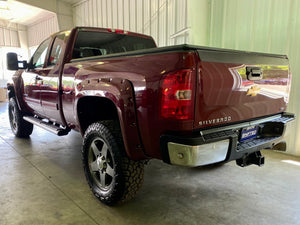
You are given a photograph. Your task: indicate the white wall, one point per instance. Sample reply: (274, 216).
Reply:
(41, 30)
(62, 10)
(11, 39)
(9, 34)
(198, 17)
(64, 15)
(165, 20)
(18, 38)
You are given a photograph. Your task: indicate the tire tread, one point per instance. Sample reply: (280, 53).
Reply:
(24, 129)
(129, 174)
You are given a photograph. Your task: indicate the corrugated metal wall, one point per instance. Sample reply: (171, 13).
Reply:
(9, 38)
(265, 26)
(256, 25)
(9, 35)
(41, 30)
(165, 20)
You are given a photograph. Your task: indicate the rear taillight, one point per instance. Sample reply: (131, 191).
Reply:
(177, 95)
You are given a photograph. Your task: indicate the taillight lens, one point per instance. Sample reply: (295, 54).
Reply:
(177, 95)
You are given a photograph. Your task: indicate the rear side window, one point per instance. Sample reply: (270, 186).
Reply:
(89, 43)
(56, 49)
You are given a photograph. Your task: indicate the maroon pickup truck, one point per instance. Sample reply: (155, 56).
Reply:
(131, 101)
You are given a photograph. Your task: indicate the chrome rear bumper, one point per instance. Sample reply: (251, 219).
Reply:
(223, 144)
(198, 155)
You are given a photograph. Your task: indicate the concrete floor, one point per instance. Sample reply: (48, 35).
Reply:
(42, 182)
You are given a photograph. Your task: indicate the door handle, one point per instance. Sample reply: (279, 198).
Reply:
(68, 92)
(254, 73)
(38, 78)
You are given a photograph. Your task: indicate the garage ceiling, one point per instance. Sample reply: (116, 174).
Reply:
(17, 12)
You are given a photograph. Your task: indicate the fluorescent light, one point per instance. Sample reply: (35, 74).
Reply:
(17, 12)
(291, 162)
(3, 5)
(5, 12)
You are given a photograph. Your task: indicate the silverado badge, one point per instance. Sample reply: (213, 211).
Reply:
(253, 91)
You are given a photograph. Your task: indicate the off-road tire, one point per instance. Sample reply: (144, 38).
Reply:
(106, 154)
(20, 127)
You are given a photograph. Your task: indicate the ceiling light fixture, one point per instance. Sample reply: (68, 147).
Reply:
(5, 11)
(4, 5)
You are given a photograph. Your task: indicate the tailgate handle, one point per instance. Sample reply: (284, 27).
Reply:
(254, 73)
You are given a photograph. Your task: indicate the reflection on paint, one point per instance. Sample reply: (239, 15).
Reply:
(274, 83)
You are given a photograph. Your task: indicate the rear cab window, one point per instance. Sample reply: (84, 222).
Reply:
(56, 49)
(91, 43)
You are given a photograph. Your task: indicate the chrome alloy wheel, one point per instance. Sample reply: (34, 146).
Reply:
(112, 176)
(19, 126)
(13, 117)
(101, 164)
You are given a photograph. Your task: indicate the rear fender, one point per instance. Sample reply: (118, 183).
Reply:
(121, 93)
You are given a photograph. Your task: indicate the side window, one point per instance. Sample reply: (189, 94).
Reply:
(56, 49)
(38, 59)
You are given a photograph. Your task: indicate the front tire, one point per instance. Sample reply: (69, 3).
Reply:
(20, 127)
(111, 175)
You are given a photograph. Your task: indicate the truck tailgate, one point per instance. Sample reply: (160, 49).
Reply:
(234, 86)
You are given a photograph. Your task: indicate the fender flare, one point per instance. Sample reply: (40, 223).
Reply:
(121, 93)
(17, 87)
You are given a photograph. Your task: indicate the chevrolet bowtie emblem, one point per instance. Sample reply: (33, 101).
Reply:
(253, 91)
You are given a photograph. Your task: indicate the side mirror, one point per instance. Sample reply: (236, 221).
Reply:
(13, 63)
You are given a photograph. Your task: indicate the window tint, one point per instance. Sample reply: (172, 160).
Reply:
(38, 58)
(56, 49)
(89, 43)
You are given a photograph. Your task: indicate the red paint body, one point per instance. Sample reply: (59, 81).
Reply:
(132, 83)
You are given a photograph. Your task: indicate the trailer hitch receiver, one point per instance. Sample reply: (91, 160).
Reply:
(254, 158)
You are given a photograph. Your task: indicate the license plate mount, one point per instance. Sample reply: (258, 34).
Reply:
(248, 133)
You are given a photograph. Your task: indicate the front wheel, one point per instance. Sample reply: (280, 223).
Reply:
(19, 126)
(112, 176)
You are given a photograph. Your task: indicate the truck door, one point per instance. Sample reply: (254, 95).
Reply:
(50, 87)
(32, 78)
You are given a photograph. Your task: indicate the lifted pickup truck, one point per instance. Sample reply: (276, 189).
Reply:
(186, 105)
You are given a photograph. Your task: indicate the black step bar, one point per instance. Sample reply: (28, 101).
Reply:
(58, 130)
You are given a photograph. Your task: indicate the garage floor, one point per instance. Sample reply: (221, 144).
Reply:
(42, 182)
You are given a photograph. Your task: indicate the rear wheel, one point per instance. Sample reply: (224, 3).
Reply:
(19, 126)
(112, 176)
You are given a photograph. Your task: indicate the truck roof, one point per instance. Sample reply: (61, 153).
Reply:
(105, 30)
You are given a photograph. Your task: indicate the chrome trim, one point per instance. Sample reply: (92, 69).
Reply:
(49, 127)
(240, 125)
(199, 155)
